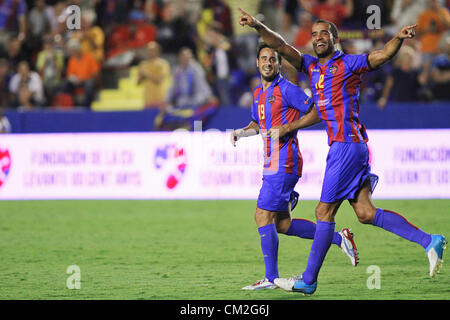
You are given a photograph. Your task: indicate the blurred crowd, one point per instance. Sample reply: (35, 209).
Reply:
(194, 52)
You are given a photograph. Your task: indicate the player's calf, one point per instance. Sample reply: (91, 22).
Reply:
(365, 215)
(283, 222)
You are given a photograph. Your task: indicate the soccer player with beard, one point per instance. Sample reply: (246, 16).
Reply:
(276, 102)
(335, 81)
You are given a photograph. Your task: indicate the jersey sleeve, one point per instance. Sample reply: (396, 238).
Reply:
(297, 98)
(358, 63)
(307, 60)
(254, 110)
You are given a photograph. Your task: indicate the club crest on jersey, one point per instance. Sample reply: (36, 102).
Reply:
(271, 99)
(333, 69)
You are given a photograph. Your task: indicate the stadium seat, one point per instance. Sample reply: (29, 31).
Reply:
(63, 100)
(128, 96)
(118, 36)
(144, 34)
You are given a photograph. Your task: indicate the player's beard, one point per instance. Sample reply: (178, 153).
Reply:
(326, 53)
(270, 78)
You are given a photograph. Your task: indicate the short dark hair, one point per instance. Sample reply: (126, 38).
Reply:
(263, 45)
(332, 27)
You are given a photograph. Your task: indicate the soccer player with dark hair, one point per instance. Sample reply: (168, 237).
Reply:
(276, 102)
(335, 82)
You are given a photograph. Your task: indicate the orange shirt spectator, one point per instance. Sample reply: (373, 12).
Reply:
(431, 24)
(84, 66)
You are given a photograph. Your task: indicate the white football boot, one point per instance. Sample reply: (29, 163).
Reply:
(287, 283)
(435, 252)
(348, 246)
(261, 285)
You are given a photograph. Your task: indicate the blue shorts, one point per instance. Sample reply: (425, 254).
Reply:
(276, 191)
(346, 171)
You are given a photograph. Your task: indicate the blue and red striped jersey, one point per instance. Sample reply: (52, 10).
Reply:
(282, 102)
(335, 87)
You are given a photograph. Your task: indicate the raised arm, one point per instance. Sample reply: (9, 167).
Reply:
(379, 57)
(273, 39)
(311, 118)
(251, 130)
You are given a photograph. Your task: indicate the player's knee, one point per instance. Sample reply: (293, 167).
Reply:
(323, 213)
(263, 217)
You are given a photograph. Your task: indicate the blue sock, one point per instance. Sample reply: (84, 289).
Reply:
(269, 246)
(397, 224)
(321, 243)
(306, 229)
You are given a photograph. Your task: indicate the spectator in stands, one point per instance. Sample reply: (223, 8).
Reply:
(50, 65)
(39, 20)
(303, 36)
(217, 63)
(14, 53)
(431, 25)
(213, 12)
(152, 10)
(13, 20)
(335, 11)
(91, 37)
(288, 28)
(190, 87)
(5, 78)
(155, 74)
(403, 83)
(137, 13)
(39, 23)
(440, 70)
(26, 85)
(111, 12)
(82, 72)
(406, 12)
(273, 12)
(221, 13)
(189, 98)
(304, 5)
(58, 22)
(245, 39)
(52, 12)
(173, 32)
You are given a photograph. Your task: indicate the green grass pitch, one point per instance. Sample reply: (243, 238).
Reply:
(200, 250)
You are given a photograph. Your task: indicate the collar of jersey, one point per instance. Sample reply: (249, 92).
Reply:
(336, 56)
(275, 82)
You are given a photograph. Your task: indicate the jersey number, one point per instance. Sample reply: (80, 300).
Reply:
(319, 84)
(261, 112)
